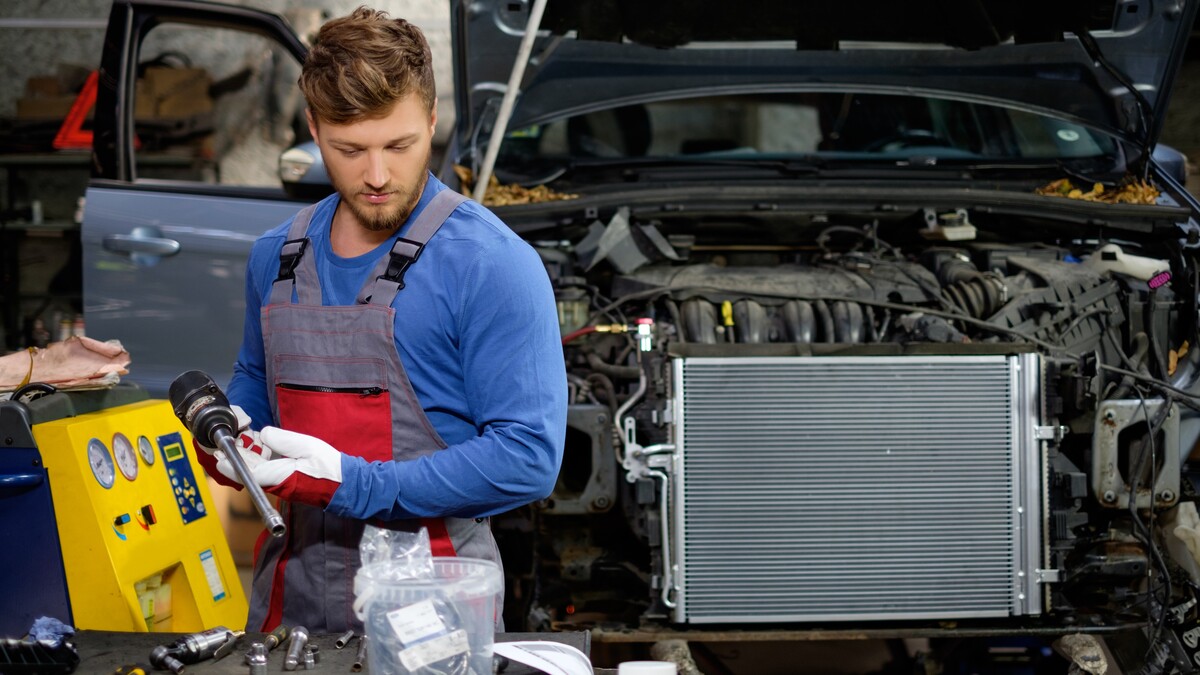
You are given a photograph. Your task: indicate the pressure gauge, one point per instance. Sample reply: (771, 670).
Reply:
(124, 454)
(146, 450)
(101, 463)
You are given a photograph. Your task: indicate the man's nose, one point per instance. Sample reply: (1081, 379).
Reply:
(376, 173)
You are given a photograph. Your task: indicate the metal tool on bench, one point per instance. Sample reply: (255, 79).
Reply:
(202, 407)
(296, 648)
(192, 648)
(276, 637)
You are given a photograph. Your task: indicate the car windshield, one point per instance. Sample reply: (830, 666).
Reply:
(829, 125)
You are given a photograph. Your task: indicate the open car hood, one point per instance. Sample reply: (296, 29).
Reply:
(1108, 64)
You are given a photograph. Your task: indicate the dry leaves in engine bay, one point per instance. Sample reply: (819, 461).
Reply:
(507, 195)
(1131, 191)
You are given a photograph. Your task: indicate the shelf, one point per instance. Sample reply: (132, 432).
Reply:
(84, 158)
(44, 226)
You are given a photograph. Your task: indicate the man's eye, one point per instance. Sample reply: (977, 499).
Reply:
(350, 153)
(399, 148)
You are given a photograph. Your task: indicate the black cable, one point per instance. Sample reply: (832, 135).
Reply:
(1079, 319)
(1147, 532)
(978, 323)
(1188, 399)
(1159, 359)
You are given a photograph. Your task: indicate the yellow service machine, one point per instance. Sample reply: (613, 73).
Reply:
(140, 549)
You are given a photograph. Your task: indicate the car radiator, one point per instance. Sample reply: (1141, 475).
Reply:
(852, 488)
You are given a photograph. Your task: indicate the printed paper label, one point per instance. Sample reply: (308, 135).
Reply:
(415, 622)
(432, 651)
(212, 575)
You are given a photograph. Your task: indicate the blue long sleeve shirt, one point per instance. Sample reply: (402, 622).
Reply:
(477, 332)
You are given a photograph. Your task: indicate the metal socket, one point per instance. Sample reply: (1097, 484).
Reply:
(296, 644)
(344, 639)
(256, 658)
(360, 658)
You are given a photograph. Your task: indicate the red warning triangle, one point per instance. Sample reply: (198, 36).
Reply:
(71, 135)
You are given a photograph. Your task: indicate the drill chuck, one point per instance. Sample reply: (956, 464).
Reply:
(202, 407)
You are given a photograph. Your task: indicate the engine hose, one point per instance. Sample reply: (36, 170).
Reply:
(597, 380)
(979, 296)
(601, 366)
(1136, 363)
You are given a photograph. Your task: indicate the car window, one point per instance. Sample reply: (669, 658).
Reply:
(839, 124)
(213, 105)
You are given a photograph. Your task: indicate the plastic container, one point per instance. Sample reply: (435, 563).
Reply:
(445, 624)
(647, 668)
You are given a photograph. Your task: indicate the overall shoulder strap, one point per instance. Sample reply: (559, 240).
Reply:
(291, 257)
(387, 279)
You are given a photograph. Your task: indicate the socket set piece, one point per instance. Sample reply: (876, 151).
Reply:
(296, 648)
(360, 658)
(344, 639)
(256, 658)
(311, 656)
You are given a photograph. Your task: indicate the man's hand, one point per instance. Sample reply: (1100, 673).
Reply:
(217, 465)
(305, 469)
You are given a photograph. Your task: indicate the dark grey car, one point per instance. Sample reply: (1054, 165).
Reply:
(873, 313)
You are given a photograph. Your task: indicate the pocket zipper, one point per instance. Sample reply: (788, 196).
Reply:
(361, 391)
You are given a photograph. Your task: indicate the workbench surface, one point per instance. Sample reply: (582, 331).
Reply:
(102, 652)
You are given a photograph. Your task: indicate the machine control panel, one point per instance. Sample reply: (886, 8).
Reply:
(183, 479)
(129, 563)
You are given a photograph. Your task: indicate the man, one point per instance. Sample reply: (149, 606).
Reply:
(403, 339)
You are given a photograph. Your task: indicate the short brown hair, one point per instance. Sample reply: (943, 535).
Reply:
(362, 64)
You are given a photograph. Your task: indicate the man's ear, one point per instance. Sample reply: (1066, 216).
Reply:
(433, 117)
(312, 123)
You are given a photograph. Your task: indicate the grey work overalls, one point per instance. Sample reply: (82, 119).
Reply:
(334, 373)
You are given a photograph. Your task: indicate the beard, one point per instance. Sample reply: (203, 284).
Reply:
(390, 216)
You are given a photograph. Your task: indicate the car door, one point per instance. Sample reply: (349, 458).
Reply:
(195, 103)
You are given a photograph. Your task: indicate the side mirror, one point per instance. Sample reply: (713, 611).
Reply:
(302, 172)
(1171, 161)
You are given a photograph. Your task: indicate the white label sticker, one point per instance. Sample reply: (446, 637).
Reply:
(432, 651)
(415, 622)
(212, 575)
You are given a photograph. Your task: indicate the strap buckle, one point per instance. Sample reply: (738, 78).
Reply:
(403, 254)
(289, 258)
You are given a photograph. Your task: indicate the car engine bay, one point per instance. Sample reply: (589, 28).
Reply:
(939, 415)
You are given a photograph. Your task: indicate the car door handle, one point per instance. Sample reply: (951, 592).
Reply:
(146, 240)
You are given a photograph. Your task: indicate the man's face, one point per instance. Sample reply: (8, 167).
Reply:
(379, 166)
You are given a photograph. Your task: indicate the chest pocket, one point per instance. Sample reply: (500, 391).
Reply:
(344, 402)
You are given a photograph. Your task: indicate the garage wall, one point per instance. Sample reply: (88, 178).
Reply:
(61, 41)
(73, 35)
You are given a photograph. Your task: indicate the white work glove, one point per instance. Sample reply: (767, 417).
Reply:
(217, 465)
(303, 468)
